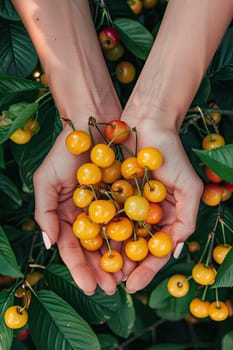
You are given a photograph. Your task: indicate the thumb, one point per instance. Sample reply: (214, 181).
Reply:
(46, 201)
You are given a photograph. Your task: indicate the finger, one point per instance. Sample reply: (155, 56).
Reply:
(75, 260)
(46, 199)
(105, 280)
(186, 214)
(129, 266)
(144, 273)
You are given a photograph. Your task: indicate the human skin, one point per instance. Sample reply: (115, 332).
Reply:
(81, 86)
(80, 89)
(188, 37)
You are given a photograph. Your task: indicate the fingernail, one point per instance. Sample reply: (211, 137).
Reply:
(46, 240)
(124, 278)
(178, 250)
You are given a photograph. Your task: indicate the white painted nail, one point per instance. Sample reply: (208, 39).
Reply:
(178, 250)
(46, 240)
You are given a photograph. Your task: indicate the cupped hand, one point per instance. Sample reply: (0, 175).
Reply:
(181, 205)
(55, 212)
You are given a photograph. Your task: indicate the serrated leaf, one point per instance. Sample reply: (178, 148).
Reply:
(206, 220)
(54, 324)
(8, 11)
(10, 86)
(8, 187)
(221, 66)
(6, 334)
(17, 53)
(122, 322)
(227, 341)
(134, 36)
(224, 277)
(94, 309)
(8, 263)
(220, 160)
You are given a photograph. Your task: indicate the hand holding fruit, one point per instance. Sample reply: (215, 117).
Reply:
(184, 190)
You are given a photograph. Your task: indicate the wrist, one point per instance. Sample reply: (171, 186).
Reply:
(164, 118)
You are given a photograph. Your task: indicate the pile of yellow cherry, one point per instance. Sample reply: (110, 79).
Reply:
(119, 200)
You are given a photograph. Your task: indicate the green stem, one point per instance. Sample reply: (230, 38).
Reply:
(43, 96)
(119, 135)
(137, 185)
(93, 191)
(226, 225)
(204, 293)
(205, 248)
(203, 118)
(223, 233)
(107, 240)
(209, 256)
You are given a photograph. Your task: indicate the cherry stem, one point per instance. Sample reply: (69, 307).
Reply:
(203, 119)
(137, 185)
(146, 179)
(213, 110)
(69, 122)
(128, 150)
(93, 191)
(143, 224)
(135, 237)
(204, 293)
(118, 135)
(223, 232)
(209, 255)
(226, 225)
(43, 96)
(206, 247)
(92, 122)
(217, 299)
(107, 240)
(136, 141)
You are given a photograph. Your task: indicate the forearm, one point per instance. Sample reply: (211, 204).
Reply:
(189, 35)
(64, 36)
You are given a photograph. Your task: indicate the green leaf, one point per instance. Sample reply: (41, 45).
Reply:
(159, 296)
(227, 341)
(6, 334)
(2, 158)
(54, 324)
(169, 346)
(94, 309)
(31, 155)
(220, 160)
(8, 187)
(134, 36)
(221, 66)
(107, 341)
(224, 277)
(8, 11)
(17, 53)
(10, 86)
(17, 115)
(122, 321)
(168, 307)
(8, 263)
